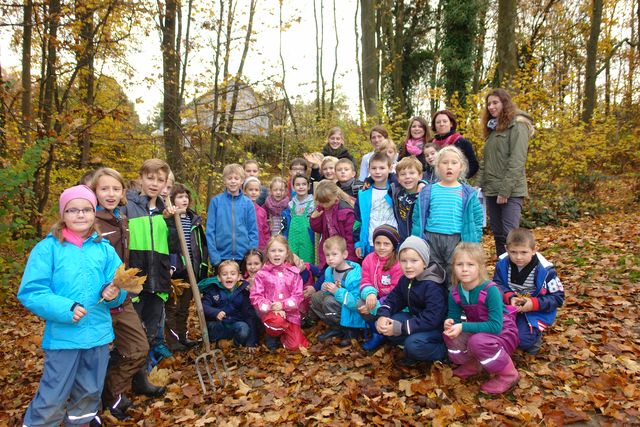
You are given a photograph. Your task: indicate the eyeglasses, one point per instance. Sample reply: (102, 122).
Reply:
(76, 212)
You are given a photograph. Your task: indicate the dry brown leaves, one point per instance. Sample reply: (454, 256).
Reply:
(129, 280)
(587, 372)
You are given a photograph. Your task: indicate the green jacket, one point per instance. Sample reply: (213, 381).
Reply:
(502, 170)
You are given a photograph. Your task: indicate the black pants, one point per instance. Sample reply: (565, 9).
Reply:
(150, 308)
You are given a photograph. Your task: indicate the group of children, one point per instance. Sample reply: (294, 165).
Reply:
(398, 259)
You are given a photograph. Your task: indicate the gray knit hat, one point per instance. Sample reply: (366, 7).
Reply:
(418, 245)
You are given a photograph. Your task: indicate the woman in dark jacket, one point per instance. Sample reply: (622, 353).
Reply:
(444, 125)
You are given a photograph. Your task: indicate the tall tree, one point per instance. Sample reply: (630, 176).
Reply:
(370, 58)
(592, 57)
(506, 46)
(26, 71)
(85, 56)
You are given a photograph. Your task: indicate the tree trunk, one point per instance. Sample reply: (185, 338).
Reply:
(506, 47)
(85, 64)
(26, 73)
(592, 56)
(284, 86)
(3, 120)
(335, 59)
(370, 58)
(398, 59)
(478, 66)
(318, 62)
(358, 67)
(433, 74)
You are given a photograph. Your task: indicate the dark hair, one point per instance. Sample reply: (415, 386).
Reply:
(381, 130)
(521, 237)
(507, 114)
(293, 180)
(179, 189)
(299, 161)
(380, 157)
(449, 114)
(423, 123)
(251, 252)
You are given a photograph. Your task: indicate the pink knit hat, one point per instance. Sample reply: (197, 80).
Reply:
(77, 192)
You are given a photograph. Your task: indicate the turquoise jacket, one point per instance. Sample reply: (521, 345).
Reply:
(363, 214)
(60, 275)
(347, 295)
(471, 214)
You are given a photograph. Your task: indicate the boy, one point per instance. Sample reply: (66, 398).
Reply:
(405, 193)
(346, 173)
(227, 309)
(530, 284)
(231, 223)
(252, 168)
(374, 206)
(149, 251)
(430, 150)
(178, 311)
(337, 305)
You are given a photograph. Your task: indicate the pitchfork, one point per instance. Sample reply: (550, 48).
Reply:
(203, 360)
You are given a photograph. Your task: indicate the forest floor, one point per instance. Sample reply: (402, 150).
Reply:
(586, 373)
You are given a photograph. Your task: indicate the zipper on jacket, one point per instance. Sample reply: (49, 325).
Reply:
(233, 228)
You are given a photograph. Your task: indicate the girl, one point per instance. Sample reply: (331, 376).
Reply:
(448, 211)
(489, 335)
(335, 145)
(430, 152)
(276, 295)
(417, 135)
(377, 135)
(296, 220)
(444, 125)
(422, 290)
(130, 345)
(389, 148)
(502, 175)
(333, 216)
(67, 275)
(276, 202)
(251, 189)
(252, 263)
(380, 274)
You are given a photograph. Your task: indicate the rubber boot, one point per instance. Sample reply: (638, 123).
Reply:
(376, 338)
(348, 334)
(119, 408)
(330, 334)
(503, 380)
(467, 370)
(140, 385)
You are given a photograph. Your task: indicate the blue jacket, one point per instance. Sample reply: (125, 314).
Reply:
(548, 296)
(471, 214)
(347, 295)
(232, 229)
(425, 297)
(363, 214)
(60, 275)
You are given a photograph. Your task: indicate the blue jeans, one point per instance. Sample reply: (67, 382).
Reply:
(427, 345)
(241, 333)
(503, 218)
(530, 337)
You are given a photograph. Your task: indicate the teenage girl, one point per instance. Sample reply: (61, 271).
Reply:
(276, 203)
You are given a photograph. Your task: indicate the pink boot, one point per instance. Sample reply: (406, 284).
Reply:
(467, 370)
(503, 380)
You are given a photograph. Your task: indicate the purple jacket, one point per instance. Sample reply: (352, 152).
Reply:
(280, 283)
(338, 221)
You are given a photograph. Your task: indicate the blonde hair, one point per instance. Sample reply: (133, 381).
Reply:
(408, 163)
(153, 166)
(228, 263)
(328, 159)
(171, 178)
(385, 145)
(335, 130)
(113, 174)
(233, 168)
(456, 151)
(476, 253)
(278, 180)
(283, 241)
(346, 161)
(521, 237)
(327, 191)
(335, 242)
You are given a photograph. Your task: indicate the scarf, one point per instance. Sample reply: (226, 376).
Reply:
(492, 124)
(519, 277)
(274, 207)
(414, 146)
(448, 139)
(72, 237)
(338, 153)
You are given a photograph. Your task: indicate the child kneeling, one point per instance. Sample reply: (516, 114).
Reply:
(489, 335)
(336, 303)
(227, 309)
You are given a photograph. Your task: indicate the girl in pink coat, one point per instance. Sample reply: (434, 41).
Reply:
(251, 189)
(276, 295)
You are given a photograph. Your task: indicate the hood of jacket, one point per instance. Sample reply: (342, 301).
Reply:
(434, 273)
(524, 117)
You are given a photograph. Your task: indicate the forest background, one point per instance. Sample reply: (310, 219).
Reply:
(572, 64)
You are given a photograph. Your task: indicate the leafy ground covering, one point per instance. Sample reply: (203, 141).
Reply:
(587, 371)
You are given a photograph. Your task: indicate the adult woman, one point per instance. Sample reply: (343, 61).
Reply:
(502, 173)
(376, 136)
(417, 135)
(444, 125)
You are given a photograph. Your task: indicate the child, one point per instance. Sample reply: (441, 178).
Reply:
(252, 263)
(296, 220)
(335, 145)
(448, 211)
(417, 134)
(166, 191)
(530, 284)
(489, 335)
(376, 136)
(309, 273)
(380, 274)
(337, 304)
(227, 309)
(333, 216)
(149, 251)
(251, 189)
(430, 152)
(389, 148)
(231, 224)
(346, 174)
(276, 295)
(67, 282)
(374, 206)
(252, 169)
(298, 166)
(130, 346)
(177, 312)
(276, 203)
(404, 194)
(422, 290)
